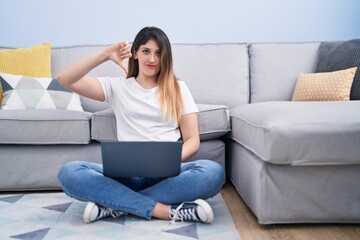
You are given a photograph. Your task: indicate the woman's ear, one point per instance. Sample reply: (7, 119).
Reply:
(134, 54)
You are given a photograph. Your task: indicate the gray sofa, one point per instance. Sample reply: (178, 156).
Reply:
(290, 161)
(34, 144)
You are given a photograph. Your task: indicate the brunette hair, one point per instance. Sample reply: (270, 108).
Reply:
(171, 102)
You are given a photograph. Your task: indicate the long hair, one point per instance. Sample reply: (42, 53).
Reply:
(171, 102)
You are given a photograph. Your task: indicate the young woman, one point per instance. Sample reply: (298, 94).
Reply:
(150, 104)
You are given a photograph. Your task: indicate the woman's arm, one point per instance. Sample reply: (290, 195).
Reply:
(190, 134)
(74, 76)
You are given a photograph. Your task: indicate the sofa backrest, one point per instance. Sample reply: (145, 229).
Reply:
(214, 73)
(275, 67)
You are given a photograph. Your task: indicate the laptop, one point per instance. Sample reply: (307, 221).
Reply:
(152, 159)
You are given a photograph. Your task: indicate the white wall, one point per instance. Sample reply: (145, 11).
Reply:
(74, 22)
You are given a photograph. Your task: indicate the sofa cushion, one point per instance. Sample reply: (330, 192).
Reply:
(299, 133)
(50, 126)
(275, 68)
(23, 92)
(210, 79)
(213, 122)
(330, 86)
(334, 56)
(33, 61)
(103, 125)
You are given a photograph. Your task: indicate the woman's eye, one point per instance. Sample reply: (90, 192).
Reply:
(158, 54)
(146, 51)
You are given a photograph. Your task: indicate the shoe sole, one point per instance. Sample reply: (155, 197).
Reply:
(87, 212)
(207, 208)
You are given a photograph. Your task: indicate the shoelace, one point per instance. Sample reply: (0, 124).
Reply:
(105, 212)
(183, 214)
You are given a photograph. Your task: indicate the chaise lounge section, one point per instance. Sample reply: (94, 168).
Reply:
(294, 162)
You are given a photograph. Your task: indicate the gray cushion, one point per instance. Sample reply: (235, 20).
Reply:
(211, 79)
(334, 56)
(275, 68)
(103, 125)
(299, 133)
(213, 123)
(50, 126)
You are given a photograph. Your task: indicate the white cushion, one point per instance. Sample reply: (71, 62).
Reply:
(22, 92)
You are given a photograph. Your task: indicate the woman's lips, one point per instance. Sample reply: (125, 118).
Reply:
(150, 66)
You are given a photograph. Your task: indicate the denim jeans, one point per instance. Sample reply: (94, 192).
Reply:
(85, 182)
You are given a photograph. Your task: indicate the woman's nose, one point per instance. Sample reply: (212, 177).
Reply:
(152, 58)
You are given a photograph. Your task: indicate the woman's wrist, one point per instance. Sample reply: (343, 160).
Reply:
(104, 55)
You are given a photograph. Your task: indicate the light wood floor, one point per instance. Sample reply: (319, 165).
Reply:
(249, 229)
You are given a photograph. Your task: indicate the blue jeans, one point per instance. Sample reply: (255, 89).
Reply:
(85, 182)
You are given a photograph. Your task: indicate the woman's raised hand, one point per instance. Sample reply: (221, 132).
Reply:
(118, 52)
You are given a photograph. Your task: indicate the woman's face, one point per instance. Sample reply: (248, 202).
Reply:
(149, 59)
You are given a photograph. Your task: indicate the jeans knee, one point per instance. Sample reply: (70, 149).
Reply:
(219, 173)
(67, 172)
(216, 173)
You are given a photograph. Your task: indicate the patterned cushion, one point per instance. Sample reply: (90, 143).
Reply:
(1, 96)
(22, 92)
(332, 86)
(334, 56)
(34, 61)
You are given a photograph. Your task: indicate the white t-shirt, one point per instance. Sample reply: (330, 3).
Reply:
(137, 110)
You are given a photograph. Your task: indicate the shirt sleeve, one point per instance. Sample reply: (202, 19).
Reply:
(105, 83)
(188, 100)
(108, 84)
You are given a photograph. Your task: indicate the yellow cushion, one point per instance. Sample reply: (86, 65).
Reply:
(329, 86)
(33, 62)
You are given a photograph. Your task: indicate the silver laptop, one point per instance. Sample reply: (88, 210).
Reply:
(141, 159)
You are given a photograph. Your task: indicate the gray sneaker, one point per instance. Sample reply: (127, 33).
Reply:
(95, 212)
(198, 210)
